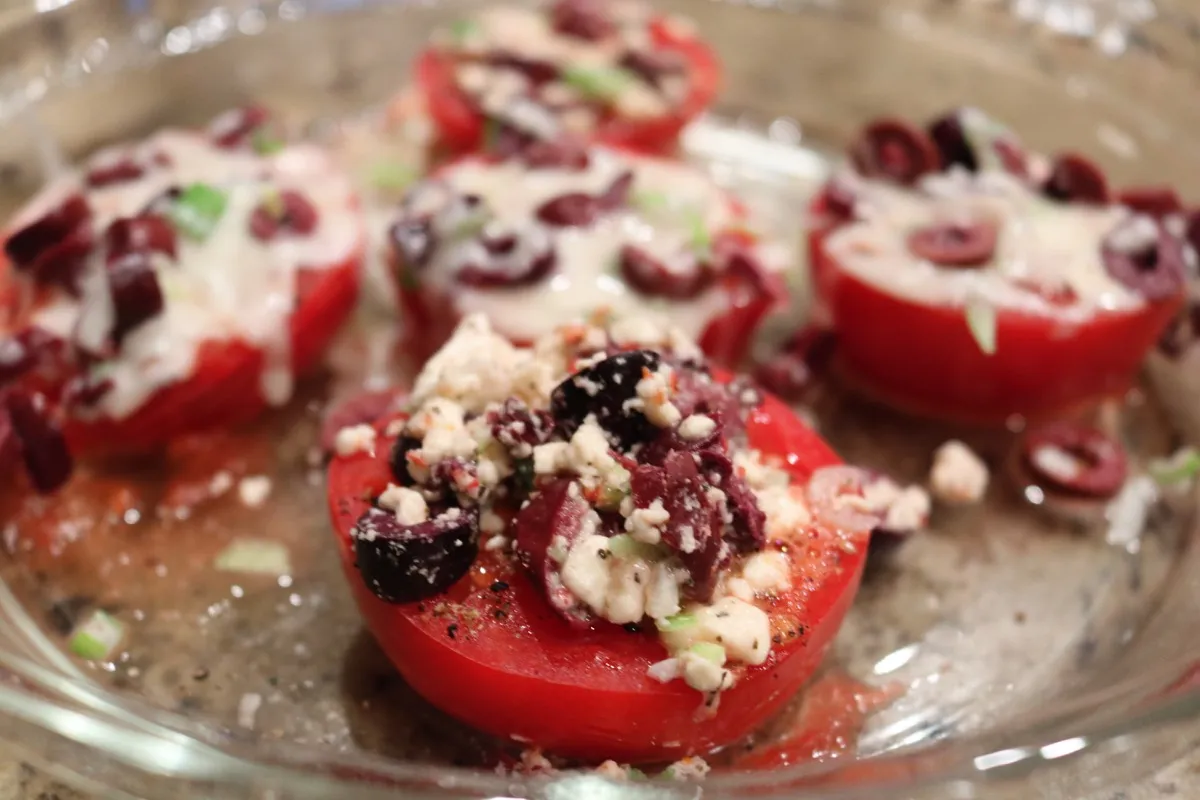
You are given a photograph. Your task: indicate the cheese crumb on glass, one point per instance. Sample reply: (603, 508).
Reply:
(959, 476)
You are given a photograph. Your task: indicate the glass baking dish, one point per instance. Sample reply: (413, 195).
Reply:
(1038, 660)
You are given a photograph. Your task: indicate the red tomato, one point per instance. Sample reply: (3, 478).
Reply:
(922, 357)
(499, 658)
(461, 126)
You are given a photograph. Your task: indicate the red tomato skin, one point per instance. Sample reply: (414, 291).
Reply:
(923, 359)
(512, 674)
(461, 128)
(223, 390)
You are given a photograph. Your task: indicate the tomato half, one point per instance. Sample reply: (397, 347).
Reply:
(922, 357)
(493, 653)
(461, 127)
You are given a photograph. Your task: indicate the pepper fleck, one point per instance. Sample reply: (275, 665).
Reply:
(452, 630)
(499, 586)
(500, 613)
(632, 627)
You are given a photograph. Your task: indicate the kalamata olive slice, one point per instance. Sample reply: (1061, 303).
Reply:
(26, 351)
(414, 241)
(574, 209)
(288, 212)
(553, 516)
(894, 150)
(616, 196)
(583, 19)
(520, 428)
(955, 244)
(136, 294)
(536, 269)
(51, 238)
(1155, 201)
(403, 563)
(85, 391)
(115, 170)
(746, 530)
(43, 447)
(562, 153)
(648, 275)
(837, 200)
(1075, 179)
(1144, 257)
(651, 66)
(786, 376)
(538, 72)
(1075, 459)
(604, 390)
(233, 127)
(951, 140)
(695, 527)
(143, 233)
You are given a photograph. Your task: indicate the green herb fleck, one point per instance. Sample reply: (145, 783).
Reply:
(678, 622)
(625, 546)
(709, 652)
(1180, 466)
(265, 142)
(198, 210)
(391, 176)
(700, 239)
(463, 30)
(636, 774)
(597, 83)
(272, 203)
(96, 638)
(649, 200)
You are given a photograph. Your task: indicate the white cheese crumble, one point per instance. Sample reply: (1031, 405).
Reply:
(355, 439)
(767, 572)
(697, 427)
(253, 490)
(654, 391)
(408, 504)
(645, 524)
(743, 629)
(958, 476)
(691, 768)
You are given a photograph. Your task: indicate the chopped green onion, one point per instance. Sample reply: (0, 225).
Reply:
(463, 29)
(625, 546)
(523, 472)
(678, 622)
(599, 83)
(611, 496)
(709, 652)
(701, 239)
(1180, 466)
(491, 133)
(198, 210)
(98, 637)
(981, 320)
(257, 556)
(636, 774)
(392, 176)
(649, 200)
(272, 203)
(265, 142)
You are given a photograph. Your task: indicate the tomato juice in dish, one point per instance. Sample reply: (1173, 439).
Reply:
(966, 276)
(666, 552)
(178, 283)
(614, 71)
(544, 236)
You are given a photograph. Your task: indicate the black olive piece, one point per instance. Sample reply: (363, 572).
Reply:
(403, 563)
(603, 390)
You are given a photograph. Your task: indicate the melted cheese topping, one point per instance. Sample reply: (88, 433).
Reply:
(1040, 242)
(228, 286)
(587, 276)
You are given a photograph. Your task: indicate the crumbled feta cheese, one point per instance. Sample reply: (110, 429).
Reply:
(958, 475)
(697, 427)
(613, 771)
(585, 572)
(691, 768)
(666, 670)
(743, 629)
(355, 439)
(909, 511)
(490, 522)
(739, 588)
(757, 473)
(254, 490)
(768, 572)
(704, 675)
(533, 761)
(497, 542)
(645, 524)
(409, 504)
(654, 391)
(550, 458)
(786, 508)
(662, 595)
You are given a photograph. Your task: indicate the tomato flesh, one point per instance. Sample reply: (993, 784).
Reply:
(923, 358)
(493, 653)
(461, 127)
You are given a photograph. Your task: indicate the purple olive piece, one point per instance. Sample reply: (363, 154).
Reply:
(575, 209)
(563, 153)
(616, 196)
(136, 294)
(1154, 201)
(947, 134)
(233, 127)
(648, 275)
(1075, 179)
(293, 213)
(954, 244)
(43, 446)
(1146, 258)
(651, 66)
(837, 200)
(140, 234)
(667, 441)
(520, 428)
(500, 245)
(414, 242)
(894, 150)
(697, 393)
(554, 511)
(604, 389)
(747, 528)
(538, 72)
(85, 392)
(1074, 459)
(10, 446)
(398, 459)
(786, 376)
(1182, 331)
(27, 350)
(694, 530)
(403, 563)
(117, 170)
(582, 19)
(54, 247)
(537, 269)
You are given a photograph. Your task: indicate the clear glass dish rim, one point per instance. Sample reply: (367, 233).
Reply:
(43, 694)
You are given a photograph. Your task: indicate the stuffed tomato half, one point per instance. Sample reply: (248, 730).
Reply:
(598, 523)
(545, 235)
(612, 71)
(967, 277)
(173, 285)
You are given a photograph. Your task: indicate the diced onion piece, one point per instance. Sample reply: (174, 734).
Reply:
(709, 652)
(678, 622)
(255, 556)
(625, 546)
(1180, 466)
(602, 83)
(981, 321)
(98, 637)
(198, 210)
